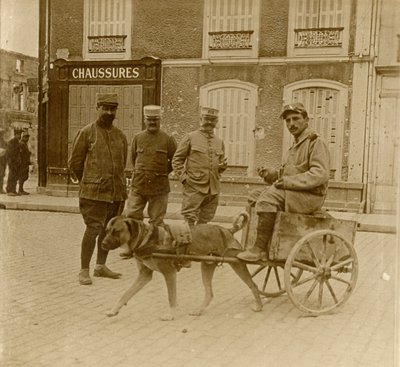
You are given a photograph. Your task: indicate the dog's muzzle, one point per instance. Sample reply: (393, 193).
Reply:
(110, 243)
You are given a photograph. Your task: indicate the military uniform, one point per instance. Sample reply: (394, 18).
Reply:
(199, 162)
(98, 159)
(305, 175)
(299, 186)
(152, 154)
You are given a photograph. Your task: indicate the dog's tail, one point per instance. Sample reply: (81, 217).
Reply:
(239, 221)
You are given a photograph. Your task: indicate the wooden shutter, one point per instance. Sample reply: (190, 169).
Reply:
(236, 122)
(319, 14)
(82, 109)
(231, 15)
(323, 109)
(107, 17)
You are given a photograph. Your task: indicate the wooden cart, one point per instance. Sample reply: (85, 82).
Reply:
(311, 258)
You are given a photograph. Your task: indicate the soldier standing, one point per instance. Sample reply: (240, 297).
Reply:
(98, 160)
(152, 152)
(198, 162)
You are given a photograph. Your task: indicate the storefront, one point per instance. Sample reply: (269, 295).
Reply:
(71, 104)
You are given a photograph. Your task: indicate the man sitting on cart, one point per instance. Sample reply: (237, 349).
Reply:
(299, 186)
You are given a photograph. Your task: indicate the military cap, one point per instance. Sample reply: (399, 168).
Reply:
(152, 111)
(294, 107)
(210, 113)
(107, 98)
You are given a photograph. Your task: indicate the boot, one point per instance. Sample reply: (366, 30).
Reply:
(265, 227)
(84, 277)
(104, 272)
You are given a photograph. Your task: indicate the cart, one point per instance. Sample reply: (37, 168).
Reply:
(311, 258)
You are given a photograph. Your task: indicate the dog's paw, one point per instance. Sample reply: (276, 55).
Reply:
(196, 313)
(112, 313)
(257, 308)
(167, 317)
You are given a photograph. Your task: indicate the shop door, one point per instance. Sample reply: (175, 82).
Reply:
(82, 109)
(385, 159)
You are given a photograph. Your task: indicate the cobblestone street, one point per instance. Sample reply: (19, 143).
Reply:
(48, 319)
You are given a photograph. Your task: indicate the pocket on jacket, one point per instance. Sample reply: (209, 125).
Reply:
(196, 175)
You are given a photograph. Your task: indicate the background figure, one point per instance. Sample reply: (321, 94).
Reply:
(198, 162)
(98, 160)
(14, 162)
(25, 163)
(299, 186)
(152, 152)
(3, 160)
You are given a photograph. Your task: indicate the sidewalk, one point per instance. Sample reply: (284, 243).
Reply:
(40, 202)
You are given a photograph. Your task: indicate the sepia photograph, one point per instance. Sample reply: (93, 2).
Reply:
(191, 183)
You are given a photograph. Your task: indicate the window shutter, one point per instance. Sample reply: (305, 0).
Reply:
(231, 15)
(107, 17)
(323, 112)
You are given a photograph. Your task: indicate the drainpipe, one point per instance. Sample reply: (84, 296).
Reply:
(370, 105)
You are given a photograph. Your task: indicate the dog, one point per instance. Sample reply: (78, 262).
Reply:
(202, 239)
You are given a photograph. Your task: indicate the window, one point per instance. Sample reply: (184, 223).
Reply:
(236, 102)
(318, 27)
(19, 66)
(107, 32)
(231, 28)
(325, 102)
(19, 102)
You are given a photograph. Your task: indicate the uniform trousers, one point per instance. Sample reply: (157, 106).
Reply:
(198, 206)
(96, 215)
(156, 207)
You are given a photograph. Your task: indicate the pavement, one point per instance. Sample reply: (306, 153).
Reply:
(383, 223)
(48, 320)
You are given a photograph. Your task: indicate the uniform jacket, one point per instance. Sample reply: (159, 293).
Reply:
(196, 161)
(98, 160)
(152, 162)
(305, 173)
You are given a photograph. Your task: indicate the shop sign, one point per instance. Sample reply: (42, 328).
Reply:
(106, 72)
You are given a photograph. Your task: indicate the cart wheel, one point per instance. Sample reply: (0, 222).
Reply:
(330, 268)
(270, 277)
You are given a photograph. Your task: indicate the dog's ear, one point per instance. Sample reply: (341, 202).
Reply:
(111, 222)
(136, 229)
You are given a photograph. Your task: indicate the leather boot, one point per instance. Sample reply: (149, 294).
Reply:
(265, 228)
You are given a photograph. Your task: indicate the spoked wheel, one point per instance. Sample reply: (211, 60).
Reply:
(270, 278)
(330, 268)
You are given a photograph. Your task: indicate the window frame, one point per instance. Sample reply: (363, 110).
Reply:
(341, 50)
(107, 55)
(232, 53)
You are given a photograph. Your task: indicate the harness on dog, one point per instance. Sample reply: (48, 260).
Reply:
(165, 239)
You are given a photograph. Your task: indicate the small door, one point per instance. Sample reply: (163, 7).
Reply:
(82, 109)
(385, 171)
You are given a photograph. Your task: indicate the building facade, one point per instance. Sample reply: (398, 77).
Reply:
(245, 57)
(19, 96)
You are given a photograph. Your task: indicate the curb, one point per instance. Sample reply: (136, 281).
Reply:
(361, 227)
